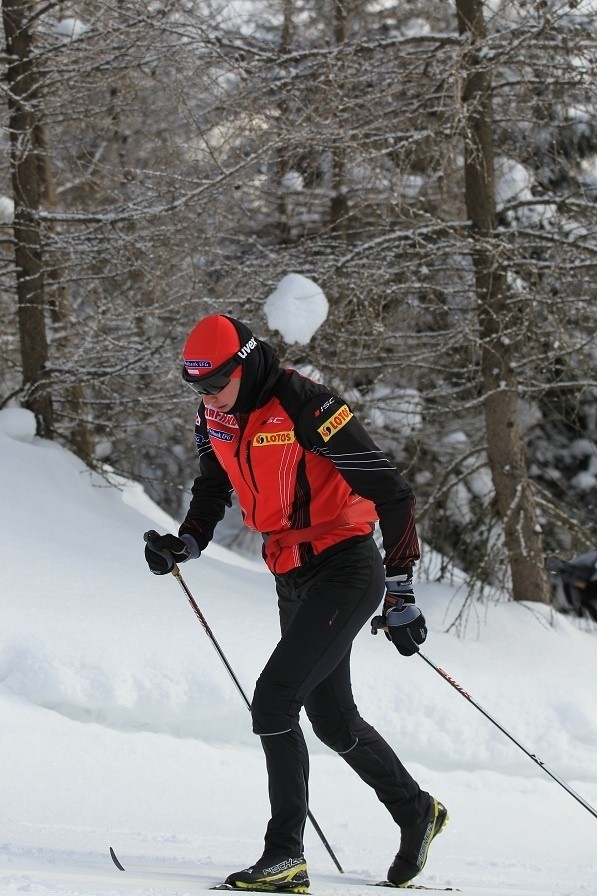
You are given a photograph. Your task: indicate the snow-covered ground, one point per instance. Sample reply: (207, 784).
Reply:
(120, 726)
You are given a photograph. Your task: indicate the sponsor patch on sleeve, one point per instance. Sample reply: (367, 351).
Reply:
(331, 426)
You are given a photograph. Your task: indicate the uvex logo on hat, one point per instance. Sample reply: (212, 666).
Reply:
(247, 347)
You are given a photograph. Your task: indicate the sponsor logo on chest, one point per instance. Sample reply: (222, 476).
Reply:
(331, 426)
(212, 415)
(263, 439)
(220, 434)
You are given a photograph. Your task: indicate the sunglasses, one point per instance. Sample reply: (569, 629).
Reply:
(213, 382)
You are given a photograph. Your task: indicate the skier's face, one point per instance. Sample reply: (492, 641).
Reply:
(225, 399)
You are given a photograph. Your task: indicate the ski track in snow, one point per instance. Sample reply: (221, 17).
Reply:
(85, 876)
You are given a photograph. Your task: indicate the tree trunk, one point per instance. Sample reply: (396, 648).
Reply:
(339, 204)
(497, 318)
(22, 102)
(79, 435)
(284, 224)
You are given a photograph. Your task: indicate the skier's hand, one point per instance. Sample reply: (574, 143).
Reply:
(406, 628)
(402, 621)
(163, 551)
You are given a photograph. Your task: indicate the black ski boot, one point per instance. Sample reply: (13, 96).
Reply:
(279, 876)
(414, 844)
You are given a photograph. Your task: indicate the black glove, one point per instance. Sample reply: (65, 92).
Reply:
(163, 551)
(403, 622)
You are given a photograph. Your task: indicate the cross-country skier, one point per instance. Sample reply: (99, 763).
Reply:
(310, 479)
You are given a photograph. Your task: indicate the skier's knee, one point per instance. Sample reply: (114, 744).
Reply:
(334, 733)
(271, 710)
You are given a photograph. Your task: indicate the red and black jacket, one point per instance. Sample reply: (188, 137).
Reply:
(306, 473)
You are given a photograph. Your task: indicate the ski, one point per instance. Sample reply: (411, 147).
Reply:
(114, 858)
(381, 883)
(289, 890)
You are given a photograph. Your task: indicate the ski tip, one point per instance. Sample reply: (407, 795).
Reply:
(114, 858)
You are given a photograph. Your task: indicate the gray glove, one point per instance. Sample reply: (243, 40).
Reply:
(403, 622)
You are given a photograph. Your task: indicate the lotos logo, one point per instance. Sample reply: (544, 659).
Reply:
(247, 347)
(274, 438)
(333, 424)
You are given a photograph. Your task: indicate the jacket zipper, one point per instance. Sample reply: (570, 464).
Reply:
(251, 482)
(250, 466)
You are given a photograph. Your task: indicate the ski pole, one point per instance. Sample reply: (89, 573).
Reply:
(220, 652)
(532, 756)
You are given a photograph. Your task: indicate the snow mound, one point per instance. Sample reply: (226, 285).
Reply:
(18, 424)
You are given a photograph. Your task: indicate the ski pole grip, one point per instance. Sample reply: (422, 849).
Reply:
(378, 623)
(150, 536)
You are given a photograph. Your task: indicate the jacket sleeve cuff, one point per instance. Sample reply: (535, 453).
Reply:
(393, 571)
(191, 528)
(192, 545)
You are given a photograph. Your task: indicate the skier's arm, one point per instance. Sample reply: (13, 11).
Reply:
(211, 492)
(337, 434)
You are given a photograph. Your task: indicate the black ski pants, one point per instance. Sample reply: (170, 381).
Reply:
(322, 607)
